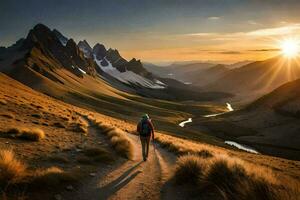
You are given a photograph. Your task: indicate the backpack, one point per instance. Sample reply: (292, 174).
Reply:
(145, 129)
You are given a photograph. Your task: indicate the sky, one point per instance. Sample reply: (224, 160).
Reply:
(162, 30)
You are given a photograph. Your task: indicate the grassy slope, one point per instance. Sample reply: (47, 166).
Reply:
(21, 102)
(267, 124)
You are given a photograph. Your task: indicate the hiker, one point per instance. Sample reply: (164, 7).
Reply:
(146, 130)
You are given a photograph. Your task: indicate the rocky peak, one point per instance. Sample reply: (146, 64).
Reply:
(73, 49)
(137, 67)
(85, 48)
(99, 51)
(61, 37)
(42, 37)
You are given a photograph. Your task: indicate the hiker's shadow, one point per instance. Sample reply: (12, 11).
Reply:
(114, 186)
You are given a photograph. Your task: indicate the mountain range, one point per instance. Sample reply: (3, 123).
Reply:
(47, 60)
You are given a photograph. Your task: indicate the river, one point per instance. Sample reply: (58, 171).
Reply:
(229, 109)
(184, 122)
(241, 146)
(232, 143)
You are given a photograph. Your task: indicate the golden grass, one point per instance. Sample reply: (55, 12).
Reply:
(59, 125)
(118, 138)
(52, 177)
(7, 115)
(189, 169)
(15, 176)
(231, 178)
(33, 134)
(182, 147)
(121, 143)
(209, 168)
(235, 179)
(11, 169)
(3, 102)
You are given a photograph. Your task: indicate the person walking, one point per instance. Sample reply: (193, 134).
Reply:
(145, 129)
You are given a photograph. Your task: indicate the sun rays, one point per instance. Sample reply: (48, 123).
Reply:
(290, 48)
(284, 67)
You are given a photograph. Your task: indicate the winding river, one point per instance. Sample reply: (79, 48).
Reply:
(241, 146)
(184, 122)
(231, 143)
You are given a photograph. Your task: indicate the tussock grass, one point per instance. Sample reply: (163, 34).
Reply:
(189, 169)
(32, 134)
(7, 115)
(211, 171)
(118, 139)
(11, 169)
(3, 102)
(14, 172)
(183, 147)
(36, 115)
(121, 143)
(59, 125)
(53, 177)
(231, 178)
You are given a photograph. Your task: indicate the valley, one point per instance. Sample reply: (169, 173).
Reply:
(69, 113)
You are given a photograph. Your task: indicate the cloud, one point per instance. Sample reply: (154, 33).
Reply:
(203, 34)
(293, 29)
(227, 52)
(214, 18)
(252, 22)
(289, 29)
(265, 50)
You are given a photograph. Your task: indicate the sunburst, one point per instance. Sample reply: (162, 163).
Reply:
(290, 48)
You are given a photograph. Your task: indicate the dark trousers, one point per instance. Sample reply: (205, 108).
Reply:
(145, 145)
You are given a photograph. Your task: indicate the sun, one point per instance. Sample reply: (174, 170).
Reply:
(290, 48)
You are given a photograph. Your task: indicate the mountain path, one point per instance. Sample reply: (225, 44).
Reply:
(132, 179)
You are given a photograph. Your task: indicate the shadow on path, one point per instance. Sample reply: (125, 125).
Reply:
(114, 186)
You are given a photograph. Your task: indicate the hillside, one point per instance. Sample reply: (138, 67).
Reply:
(258, 77)
(271, 124)
(75, 159)
(197, 74)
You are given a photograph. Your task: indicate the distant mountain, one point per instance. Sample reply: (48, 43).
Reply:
(284, 100)
(239, 64)
(258, 77)
(198, 74)
(49, 62)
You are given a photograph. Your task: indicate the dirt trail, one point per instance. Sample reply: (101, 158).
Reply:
(133, 179)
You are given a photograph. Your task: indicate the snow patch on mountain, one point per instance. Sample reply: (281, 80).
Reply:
(128, 77)
(63, 39)
(82, 71)
(63, 42)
